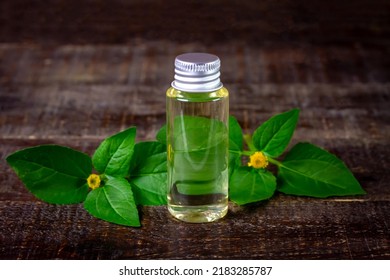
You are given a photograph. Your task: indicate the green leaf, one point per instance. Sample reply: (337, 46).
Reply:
(199, 155)
(235, 135)
(234, 162)
(148, 173)
(52, 173)
(235, 144)
(161, 135)
(113, 202)
(196, 133)
(249, 185)
(113, 155)
(311, 171)
(273, 136)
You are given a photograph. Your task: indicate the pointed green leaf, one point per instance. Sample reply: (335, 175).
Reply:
(192, 133)
(52, 173)
(148, 173)
(199, 155)
(273, 136)
(234, 162)
(311, 171)
(113, 155)
(235, 135)
(249, 185)
(161, 135)
(113, 202)
(235, 144)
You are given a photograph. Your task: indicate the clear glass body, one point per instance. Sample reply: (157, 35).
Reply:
(198, 144)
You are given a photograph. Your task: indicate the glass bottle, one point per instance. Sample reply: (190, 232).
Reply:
(197, 140)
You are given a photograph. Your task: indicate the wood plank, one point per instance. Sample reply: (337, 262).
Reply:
(357, 112)
(150, 63)
(299, 229)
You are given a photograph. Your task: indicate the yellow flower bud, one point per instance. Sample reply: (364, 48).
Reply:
(93, 181)
(258, 160)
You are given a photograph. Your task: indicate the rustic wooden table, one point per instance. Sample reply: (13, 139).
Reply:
(72, 73)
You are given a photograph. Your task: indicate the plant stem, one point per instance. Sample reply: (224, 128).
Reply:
(274, 161)
(246, 153)
(241, 153)
(249, 142)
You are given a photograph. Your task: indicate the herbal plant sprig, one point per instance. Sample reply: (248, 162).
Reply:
(129, 174)
(307, 170)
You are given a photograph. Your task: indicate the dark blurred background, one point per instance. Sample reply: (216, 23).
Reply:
(254, 22)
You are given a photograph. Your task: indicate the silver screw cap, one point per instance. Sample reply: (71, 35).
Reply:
(197, 72)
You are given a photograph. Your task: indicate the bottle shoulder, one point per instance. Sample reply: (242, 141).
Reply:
(175, 93)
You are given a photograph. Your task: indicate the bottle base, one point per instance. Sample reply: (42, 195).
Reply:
(198, 214)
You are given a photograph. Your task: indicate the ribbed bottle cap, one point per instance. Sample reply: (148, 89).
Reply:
(197, 72)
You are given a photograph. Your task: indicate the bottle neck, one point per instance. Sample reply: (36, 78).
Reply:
(197, 96)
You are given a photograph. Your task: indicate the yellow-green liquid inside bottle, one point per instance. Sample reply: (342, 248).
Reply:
(197, 139)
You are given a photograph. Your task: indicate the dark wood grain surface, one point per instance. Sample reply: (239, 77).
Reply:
(75, 72)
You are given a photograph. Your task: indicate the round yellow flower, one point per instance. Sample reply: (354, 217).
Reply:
(93, 181)
(258, 160)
